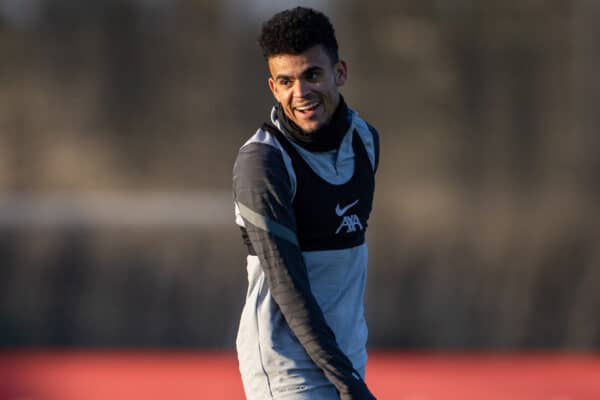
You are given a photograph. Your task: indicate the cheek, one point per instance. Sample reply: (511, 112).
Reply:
(286, 98)
(331, 97)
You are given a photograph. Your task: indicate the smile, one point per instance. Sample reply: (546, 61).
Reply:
(308, 107)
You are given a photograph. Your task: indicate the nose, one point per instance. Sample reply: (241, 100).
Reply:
(301, 88)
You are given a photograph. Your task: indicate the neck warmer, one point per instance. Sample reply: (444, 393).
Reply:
(326, 138)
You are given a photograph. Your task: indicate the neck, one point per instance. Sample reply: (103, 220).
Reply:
(327, 137)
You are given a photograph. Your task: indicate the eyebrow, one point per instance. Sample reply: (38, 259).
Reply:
(307, 71)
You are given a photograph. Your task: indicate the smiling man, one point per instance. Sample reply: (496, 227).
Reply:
(303, 190)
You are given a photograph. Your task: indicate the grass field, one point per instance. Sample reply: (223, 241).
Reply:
(97, 375)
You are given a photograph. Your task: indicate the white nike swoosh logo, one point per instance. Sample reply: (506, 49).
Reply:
(341, 211)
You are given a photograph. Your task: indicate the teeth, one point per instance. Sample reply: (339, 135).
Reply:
(304, 108)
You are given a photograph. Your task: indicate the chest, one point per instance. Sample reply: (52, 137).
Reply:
(333, 216)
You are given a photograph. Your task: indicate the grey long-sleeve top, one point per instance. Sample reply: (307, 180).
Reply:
(303, 321)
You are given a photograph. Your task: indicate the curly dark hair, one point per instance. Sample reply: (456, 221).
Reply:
(295, 30)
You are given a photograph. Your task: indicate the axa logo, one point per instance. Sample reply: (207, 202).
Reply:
(350, 222)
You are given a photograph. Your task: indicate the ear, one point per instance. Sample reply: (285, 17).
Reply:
(341, 73)
(273, 88)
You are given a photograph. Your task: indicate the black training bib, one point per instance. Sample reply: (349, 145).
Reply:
(328, 216)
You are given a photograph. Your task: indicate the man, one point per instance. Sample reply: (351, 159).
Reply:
(303, 188)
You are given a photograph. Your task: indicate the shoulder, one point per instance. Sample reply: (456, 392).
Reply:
(261, 159)
(373, 131)
(375, 135)
(370, 138)
(261, 149)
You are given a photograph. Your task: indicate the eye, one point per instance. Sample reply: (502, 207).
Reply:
(283, 82)
(313, 76)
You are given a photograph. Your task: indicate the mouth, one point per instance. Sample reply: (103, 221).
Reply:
(307, 108)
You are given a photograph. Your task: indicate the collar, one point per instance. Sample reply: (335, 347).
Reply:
(326, 138)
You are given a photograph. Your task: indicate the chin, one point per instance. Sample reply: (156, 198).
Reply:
(309, 128)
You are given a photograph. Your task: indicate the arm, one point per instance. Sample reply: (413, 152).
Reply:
(262, 192)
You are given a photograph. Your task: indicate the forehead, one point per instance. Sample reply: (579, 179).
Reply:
(295, 64)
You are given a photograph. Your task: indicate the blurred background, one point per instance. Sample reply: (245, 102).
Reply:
(120, 121)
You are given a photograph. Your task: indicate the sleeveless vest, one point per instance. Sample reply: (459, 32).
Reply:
(328, 216)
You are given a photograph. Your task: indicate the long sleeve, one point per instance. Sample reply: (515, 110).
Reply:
(262, 193)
